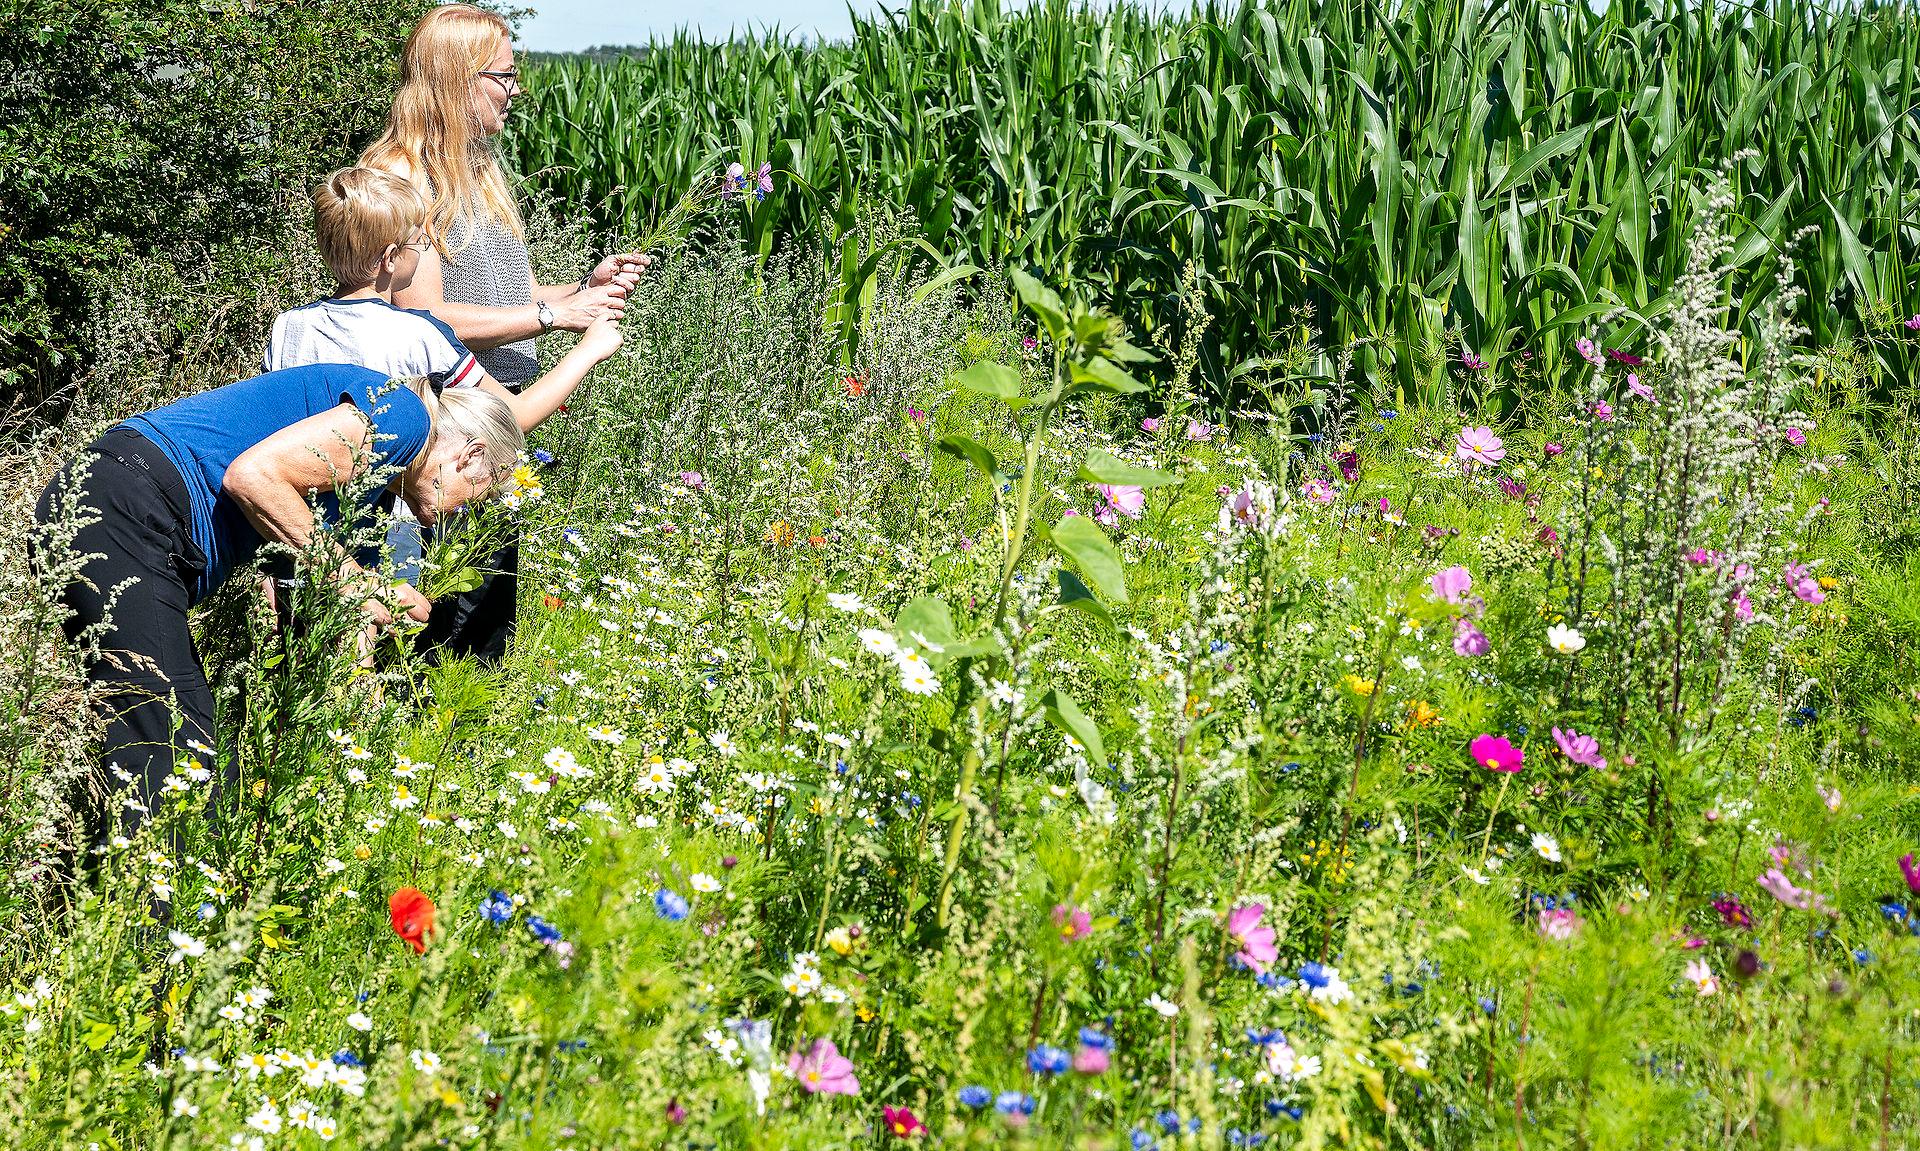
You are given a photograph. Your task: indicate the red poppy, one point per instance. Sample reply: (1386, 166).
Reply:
(855, 386)
(412, 914)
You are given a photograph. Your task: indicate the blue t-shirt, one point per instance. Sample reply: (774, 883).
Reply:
(202, 435)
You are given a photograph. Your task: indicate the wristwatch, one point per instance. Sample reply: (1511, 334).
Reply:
(546, 316)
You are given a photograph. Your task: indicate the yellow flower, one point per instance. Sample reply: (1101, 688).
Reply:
(1420, 713)
(363, 852)
(523, 477)
(1356, 685)
(841, 941)
(1829, 583)
(864, 1013)
(780, 533)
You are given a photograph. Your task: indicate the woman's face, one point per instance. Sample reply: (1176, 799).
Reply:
(493, 93)
(456, 474)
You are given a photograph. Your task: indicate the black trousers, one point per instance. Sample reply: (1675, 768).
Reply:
(479, 623)
(148, 670)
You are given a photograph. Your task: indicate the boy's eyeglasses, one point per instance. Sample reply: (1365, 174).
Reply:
(509, 79)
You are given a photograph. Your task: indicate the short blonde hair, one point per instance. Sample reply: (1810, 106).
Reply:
(358, 213)
(475, 416)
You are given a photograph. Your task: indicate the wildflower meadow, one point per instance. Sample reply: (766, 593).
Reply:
(937, 717)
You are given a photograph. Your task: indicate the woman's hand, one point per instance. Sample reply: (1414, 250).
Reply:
(578, 312)
(624, 268)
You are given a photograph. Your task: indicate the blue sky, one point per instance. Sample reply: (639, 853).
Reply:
(564, 25)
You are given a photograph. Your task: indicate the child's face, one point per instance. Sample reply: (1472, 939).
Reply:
(402, 262)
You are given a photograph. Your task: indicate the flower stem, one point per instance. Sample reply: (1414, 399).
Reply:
(1487, 839)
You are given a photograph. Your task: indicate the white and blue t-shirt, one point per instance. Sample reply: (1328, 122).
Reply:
(372, 333)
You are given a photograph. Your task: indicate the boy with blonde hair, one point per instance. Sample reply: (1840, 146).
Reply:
(371, 228)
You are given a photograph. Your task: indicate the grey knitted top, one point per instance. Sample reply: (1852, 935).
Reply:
(488, 266)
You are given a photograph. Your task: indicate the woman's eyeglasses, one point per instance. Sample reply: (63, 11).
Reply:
(509, 79)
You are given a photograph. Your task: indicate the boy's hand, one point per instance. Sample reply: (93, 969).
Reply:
(601, 340)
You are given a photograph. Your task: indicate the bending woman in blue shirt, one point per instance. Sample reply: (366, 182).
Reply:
(187, 493)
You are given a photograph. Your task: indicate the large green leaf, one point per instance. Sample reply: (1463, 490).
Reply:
(963, 448)
(1064, 713)
(1103, 468)
(1082, 541)
(990, 378)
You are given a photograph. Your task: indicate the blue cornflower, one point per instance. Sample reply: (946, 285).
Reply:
(1141, 1141)
(1389, 414)
(1095, 1038)
(1273, 981)
(573, 1045)
(1894, 911)
(975, 1096)
(1048, 1060)
(1169, 1121)
(1239, 1138)
(1217, 646)
(1487, 1004)
(176, 1052)
(345, 1058)
(542, 456)
(1265, 1038)
(1315, 975)
(497, 907)
(542, 930)
(1013, 1103)
(1314, 437)
(1862, 956)
(668, 904)
(207, 911)
(1289, 767)
(1276, 1109)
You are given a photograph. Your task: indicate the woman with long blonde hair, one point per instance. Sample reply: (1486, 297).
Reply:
(457, 84)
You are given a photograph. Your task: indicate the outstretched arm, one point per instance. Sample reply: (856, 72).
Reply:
(544, 396)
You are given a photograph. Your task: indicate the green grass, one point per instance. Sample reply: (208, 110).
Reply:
(1273, 715)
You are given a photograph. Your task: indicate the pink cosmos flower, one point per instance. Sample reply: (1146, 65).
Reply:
(1742, 606)
(1553, 450)
(1588, 352)
(693, 480)
(1074, 922)
(1090, 1060)
(1319, 491)
(1150, 425)
(1495, 753)
(1913, 323)
(1701, 557)
(1776, 884)
(1451, 584)
(1469, 640)
(1199, 431)
(1803, 584)
(1581, 749)
(1127, 499)
(1602, 411)
(823, 1070)
(916, 415)
(1478, 445)
(1559, 923)
(1910, 872)
(1250, 505)
(1639, 389)
(1796, 437)
(1256, 940)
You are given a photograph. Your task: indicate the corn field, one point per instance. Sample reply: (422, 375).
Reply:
(1435, 178)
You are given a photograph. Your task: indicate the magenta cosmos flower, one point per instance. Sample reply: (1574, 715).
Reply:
(1776, 884)
(1602, 411)
(1639, 389)
(1494, 753)
(1478, 445)
(1589, 352)
(1256, 940)
(1560, 923)
(1581, 749)
(1796, 437)
(1451, 584)
(823, 1070)
(1123, 499)
(1910, 873)
(693, 480)
(1073, 922)
(1469, 640)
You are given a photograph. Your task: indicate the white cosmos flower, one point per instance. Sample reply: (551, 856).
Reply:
(1564, 639)
(359, 1022)
(184, 1108)
(878, 642)
(1161, 1006)
(184, 947)
(1547, 846)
